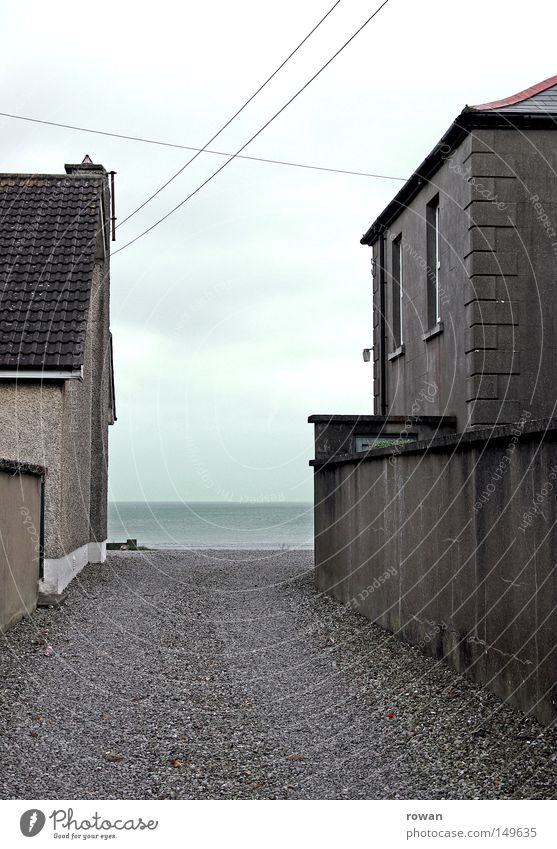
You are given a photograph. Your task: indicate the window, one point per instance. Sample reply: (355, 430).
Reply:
(433, 263)
(397, 293)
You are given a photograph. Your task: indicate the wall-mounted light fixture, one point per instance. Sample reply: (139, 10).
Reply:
(366, 354)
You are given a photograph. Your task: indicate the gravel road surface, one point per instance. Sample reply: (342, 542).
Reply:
(214, 674)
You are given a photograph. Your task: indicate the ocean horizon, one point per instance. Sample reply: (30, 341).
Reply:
(212, 524)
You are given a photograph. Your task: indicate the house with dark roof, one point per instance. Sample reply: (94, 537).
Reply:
(56, 371)
(435, 516)
(464, 270)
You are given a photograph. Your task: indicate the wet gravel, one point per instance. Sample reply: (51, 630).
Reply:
(226, 675)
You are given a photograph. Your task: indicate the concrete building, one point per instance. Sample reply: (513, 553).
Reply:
(464, 270)
(435, 517)
(56, 373)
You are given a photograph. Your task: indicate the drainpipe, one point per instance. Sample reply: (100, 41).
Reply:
(112, 206)
(382, 330)
(41, 532)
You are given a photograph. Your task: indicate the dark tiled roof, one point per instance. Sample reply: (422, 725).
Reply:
(48, 227)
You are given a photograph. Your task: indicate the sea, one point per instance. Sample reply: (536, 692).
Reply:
(205, 524)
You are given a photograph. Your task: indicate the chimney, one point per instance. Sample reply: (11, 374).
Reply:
(88, 168)
(85, 167)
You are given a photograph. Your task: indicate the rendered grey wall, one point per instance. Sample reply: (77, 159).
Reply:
(532, 157)
(510, 316)
(49, 423)
(76, 457)
(101, 413)
(20, 522)
(87, 413)
(449, 551)
(31, 426)
(440, 361)
(85, 430)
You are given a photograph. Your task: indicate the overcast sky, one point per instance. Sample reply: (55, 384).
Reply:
(247, 309)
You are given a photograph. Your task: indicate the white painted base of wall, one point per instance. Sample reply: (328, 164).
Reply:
(97, 552)
(58, 572)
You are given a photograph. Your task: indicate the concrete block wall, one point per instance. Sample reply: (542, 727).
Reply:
(450, 545)
(335, 435)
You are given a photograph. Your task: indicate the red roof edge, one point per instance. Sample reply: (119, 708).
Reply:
(517, 98)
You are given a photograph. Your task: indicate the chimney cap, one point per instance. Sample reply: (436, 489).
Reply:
(87, 165)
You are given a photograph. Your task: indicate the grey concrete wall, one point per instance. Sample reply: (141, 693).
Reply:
(48, 423)
(513, 269)
(87, 410)
(101, 413)
(85, 429)
(87, 415)
(20, 523)
(452, 547)
(441, 360)
(76, 457)
(31, 427)
(336, 435)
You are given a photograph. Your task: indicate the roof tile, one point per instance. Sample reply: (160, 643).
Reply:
(48, 227)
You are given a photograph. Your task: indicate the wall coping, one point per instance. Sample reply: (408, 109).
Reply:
(370, 419)
(16, 467)
(451, 442)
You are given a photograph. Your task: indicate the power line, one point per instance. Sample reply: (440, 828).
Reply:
(230, 120)
(201, 149)
(255, 135)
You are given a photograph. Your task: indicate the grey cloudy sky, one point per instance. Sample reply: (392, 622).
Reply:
(247, 310)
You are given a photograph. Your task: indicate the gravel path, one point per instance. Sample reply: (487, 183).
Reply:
(225, 675)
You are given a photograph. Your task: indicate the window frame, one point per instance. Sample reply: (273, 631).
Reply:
(433, 264)
(397, 293)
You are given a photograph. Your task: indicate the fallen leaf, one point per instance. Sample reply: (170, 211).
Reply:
(391, 714)
(113, 757)
(105, 716)
(295, 758)
(48, 651)
(34, 733)
(176, 762)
